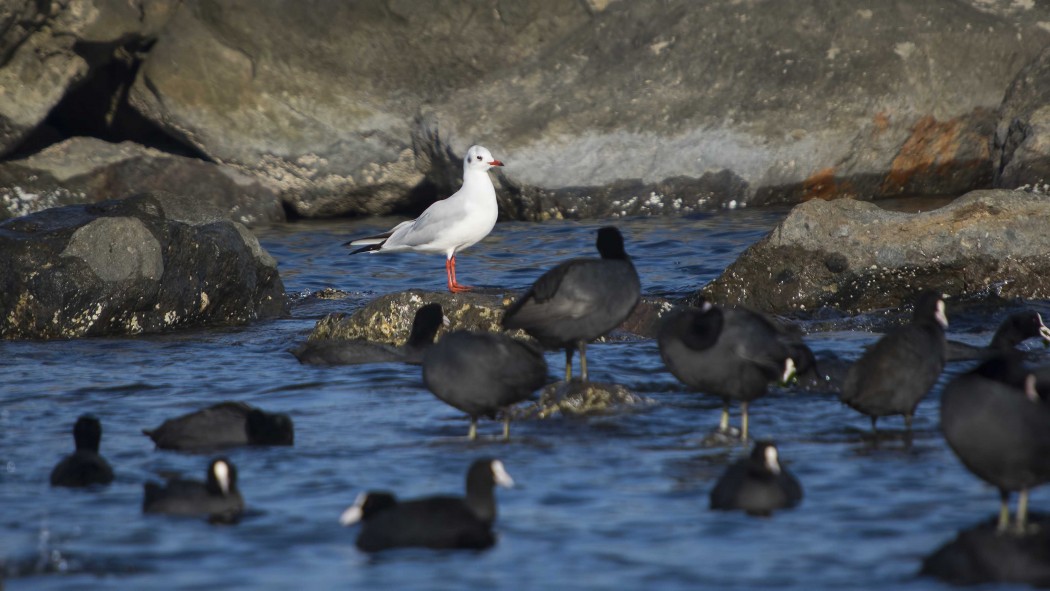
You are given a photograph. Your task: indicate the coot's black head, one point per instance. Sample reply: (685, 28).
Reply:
(1019, 327)
(265, 428)
(929, 307)
(610, 243)
(222, 477)
(701, 326)
(367, 505)
(425, 325)
(765, 457)
(486, 473)
(87, 433)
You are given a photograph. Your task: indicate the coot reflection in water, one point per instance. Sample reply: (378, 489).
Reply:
(606, 503)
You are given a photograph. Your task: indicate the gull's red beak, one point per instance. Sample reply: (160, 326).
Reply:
(495, 163)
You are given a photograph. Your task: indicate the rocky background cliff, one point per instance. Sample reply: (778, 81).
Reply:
(312, 108)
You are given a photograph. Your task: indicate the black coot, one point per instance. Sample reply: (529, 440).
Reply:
(431, 522)
(1016, 329)
(997, 425)
(730, 353)
(222, 425)
(483, 373)
(217, 497)
(894, 375)
(84, 466)
(579, 300)
(757, 484)
(425, 325)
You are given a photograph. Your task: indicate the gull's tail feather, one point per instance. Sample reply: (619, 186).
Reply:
(366, 248)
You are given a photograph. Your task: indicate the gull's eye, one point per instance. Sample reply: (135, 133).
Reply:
(479, 156)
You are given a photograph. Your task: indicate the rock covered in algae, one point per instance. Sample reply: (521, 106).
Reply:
(578, 398)
(388, 318)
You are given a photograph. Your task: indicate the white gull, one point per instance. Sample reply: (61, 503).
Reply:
(448, 225)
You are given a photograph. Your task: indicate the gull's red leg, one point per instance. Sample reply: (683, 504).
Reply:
(454, 286)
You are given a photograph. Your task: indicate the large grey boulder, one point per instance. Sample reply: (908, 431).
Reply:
(125, 267)
(47, 48)
(786, 100)
(88, 170)
(856, 256)
(1021, 150)
(320, 97)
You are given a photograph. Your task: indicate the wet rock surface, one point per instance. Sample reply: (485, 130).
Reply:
(856, 256)
(388, 318)
(1021, 147)
(125, 267)
(89, 170)
(580, 399)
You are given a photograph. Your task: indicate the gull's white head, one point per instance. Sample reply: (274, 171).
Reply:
(479, 158)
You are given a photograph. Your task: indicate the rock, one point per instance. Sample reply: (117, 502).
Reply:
(125, 267)
(326, 111)
(47, 48)
(746, 103)
(388, 318)
(87, 170)
(1021, 147)
(979, 555)
(582, 399)
(855, 256)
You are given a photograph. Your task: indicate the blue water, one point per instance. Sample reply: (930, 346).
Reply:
(617, 502)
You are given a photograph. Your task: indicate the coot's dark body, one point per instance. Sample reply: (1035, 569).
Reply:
(579, 300)
(483, 373)
(226, 424)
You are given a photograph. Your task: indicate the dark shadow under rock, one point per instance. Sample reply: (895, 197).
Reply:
(980, 555)
(578, 398)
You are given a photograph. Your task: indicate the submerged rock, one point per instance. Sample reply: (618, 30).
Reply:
(856, 256)
(578, 398)
(127, 267)
(981, 555)
(388, 318)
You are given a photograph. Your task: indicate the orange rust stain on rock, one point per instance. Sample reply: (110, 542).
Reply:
(881, 122)
(931, 143)
(823, 185)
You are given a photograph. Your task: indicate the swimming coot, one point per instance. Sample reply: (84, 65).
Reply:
(483, 373)
(425, 325)
(431, 522)
(579, 300)
(84, 466)
(217, 497)
(225, 424)
(757, 484)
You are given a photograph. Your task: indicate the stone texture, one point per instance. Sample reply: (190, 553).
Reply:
(581, 399)
(47, 48)
(320, 97)
(787, 100)
(124, 267)
(87, 170)
(1021, 149)
(388, 318)
(856, 256)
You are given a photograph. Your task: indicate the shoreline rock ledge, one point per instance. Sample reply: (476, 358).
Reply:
(130, 266)
(856, 256)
